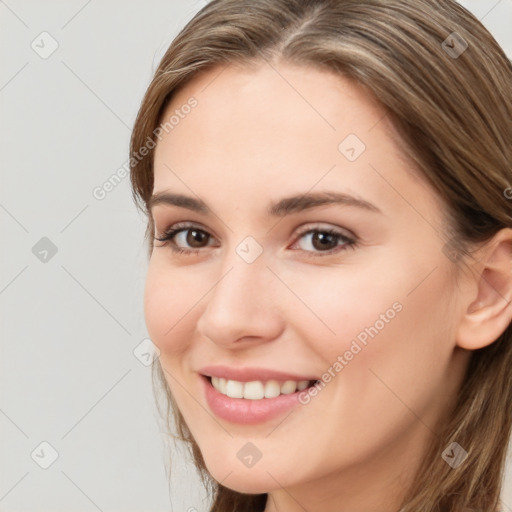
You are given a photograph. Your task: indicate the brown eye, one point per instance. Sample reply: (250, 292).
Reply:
(322, 240)
(184, 239)
(195, 237)
(189, 240)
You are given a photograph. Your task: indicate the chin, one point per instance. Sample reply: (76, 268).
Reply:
(243, 480)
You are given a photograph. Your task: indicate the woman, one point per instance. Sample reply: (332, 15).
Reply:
(327, 184)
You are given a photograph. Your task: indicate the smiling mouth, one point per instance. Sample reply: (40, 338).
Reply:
(257, 389)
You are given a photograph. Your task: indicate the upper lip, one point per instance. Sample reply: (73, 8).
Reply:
(248, 374)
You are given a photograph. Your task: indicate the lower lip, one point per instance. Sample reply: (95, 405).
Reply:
(245, 411)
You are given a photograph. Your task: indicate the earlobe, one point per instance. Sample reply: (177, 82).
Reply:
(489, 311)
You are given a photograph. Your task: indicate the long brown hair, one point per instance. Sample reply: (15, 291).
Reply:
(446, 85)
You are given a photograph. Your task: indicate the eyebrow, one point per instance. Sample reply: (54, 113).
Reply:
(285, 206)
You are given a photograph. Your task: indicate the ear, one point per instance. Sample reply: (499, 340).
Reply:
(488, 310)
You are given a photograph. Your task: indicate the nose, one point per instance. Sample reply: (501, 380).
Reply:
(243, 306)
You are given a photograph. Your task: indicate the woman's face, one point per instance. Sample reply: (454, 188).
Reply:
(352, 289)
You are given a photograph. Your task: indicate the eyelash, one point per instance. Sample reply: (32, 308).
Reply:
(168, 235)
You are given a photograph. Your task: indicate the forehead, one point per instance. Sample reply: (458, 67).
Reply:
(309, 94)
(246, 112)
(268, 128)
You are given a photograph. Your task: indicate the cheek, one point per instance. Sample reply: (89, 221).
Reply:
(168, 307)
(405, 361)
(344, 305)
(395, 349)
(389, 319)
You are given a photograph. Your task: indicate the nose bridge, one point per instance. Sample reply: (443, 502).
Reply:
(241, 303)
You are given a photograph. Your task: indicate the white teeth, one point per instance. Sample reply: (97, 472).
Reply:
(272, 389)
(234, 389)
(288, 387)
(256, 390)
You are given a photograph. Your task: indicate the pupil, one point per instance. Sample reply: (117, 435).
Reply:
(325, 239)
(195, 236)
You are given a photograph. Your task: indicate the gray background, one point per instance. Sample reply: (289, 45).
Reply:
(70, 321)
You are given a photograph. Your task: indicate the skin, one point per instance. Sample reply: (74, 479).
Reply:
(259, 134)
